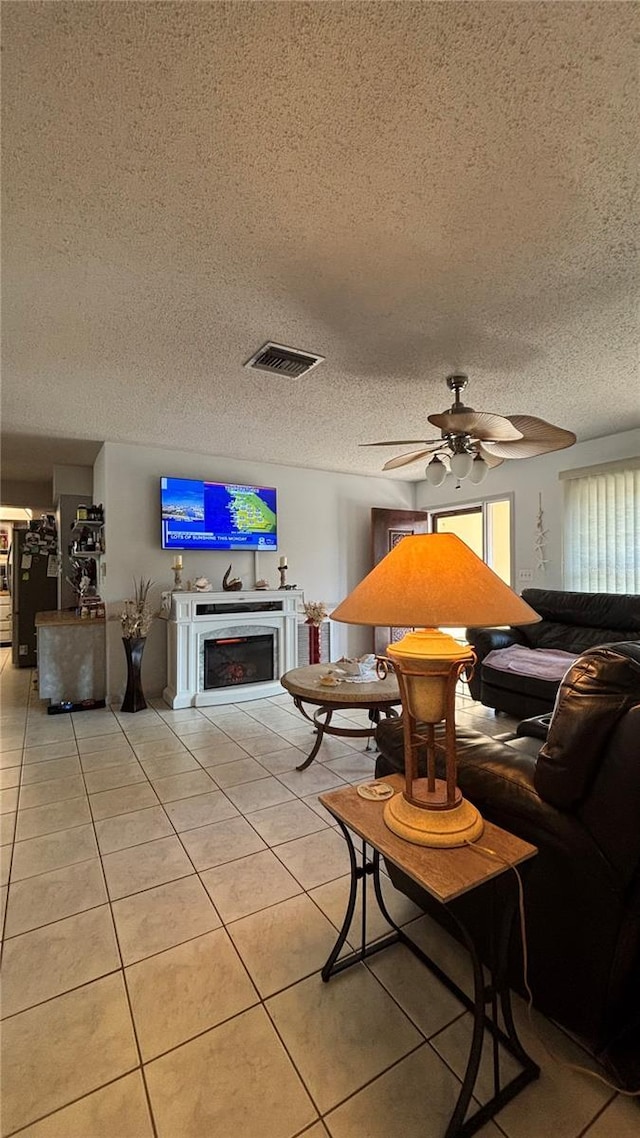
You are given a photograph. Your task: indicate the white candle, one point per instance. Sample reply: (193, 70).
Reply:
(283, 562)
(177, 562)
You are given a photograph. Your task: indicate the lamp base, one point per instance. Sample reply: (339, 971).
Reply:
(423, 827)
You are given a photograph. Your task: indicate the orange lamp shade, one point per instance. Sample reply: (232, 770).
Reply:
(430, 580)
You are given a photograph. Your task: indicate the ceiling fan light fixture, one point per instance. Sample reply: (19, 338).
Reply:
(461, 464)
(479, 470)
(436, 472)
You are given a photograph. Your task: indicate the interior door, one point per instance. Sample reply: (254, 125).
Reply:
(388, 527)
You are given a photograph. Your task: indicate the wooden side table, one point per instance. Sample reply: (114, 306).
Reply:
(379, 697)
(446, 874)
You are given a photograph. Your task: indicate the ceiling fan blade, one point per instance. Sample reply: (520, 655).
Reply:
(405, 459)
(538, 437)
(488, 456)
(403, 443)
(483, 425)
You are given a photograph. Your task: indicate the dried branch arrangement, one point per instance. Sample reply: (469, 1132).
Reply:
(137, 616)
(315, 611)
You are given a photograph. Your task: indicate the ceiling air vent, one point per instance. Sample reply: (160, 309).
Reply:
(280, 360)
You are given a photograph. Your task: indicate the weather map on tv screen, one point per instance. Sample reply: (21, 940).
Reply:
(216, 515)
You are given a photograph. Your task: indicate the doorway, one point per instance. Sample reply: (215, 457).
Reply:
(486, 528)
(388, 527)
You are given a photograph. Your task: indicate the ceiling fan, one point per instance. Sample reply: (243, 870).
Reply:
(471, 442)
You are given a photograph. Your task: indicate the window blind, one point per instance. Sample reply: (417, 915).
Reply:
(602, 531)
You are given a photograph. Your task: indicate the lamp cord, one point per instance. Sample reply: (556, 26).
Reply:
(525, 965)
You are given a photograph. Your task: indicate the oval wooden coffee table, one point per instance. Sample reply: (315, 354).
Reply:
(379, 697)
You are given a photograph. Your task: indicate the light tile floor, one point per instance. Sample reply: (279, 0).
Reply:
(173, 889)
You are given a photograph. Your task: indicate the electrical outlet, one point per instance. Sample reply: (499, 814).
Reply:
(525, 576)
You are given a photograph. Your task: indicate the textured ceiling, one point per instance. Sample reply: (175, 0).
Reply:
(404, 188)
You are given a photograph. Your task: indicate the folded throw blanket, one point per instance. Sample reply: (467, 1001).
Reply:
(544, 663)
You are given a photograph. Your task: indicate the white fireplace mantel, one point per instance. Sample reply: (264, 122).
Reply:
(195, 617)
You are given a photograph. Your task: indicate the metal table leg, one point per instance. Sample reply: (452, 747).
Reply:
(359, 873)
(320, 725)
(495, 993)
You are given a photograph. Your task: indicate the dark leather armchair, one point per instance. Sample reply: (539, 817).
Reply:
(577, 798)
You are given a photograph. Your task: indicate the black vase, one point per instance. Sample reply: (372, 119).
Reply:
(134, 696)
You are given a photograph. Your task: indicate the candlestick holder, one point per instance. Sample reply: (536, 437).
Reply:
(177, 580)
(282, 570)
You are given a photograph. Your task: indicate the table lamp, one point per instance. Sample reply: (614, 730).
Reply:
(430, 580)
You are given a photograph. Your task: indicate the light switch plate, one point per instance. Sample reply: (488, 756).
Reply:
(525, 576)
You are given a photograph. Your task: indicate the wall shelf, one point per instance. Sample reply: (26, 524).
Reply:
(92, 524)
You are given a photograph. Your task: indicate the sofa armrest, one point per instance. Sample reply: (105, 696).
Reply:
(485, 640)
(499, 780)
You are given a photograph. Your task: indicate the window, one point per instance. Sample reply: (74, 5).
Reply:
(485, 528)
(602, 528)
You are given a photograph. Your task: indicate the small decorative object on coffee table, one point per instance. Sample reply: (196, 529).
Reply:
(136, 620)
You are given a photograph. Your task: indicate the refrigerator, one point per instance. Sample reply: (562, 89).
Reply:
(33, 580)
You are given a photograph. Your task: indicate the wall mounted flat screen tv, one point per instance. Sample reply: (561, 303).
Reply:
(217, 515)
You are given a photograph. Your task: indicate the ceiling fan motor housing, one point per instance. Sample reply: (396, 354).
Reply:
(457, 383)
(459, 444)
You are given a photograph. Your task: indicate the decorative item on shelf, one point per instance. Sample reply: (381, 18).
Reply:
(177, 573)
(426, 582)
(202, 585)
(84, 582)
(315, 612)
(282, 570)
(136, 620)
(262, 584)
(231, 584)
(540, 544)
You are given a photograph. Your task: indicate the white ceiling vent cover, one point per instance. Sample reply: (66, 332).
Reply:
(280, 360)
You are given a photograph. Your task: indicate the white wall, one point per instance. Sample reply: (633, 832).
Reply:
(73, 480)
(324, 528)
(527, 479)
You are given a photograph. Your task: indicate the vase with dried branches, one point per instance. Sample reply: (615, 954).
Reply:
(136, 620)
(315, 612)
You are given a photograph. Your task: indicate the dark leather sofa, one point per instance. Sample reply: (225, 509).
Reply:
(577, 798)
(571, 622)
